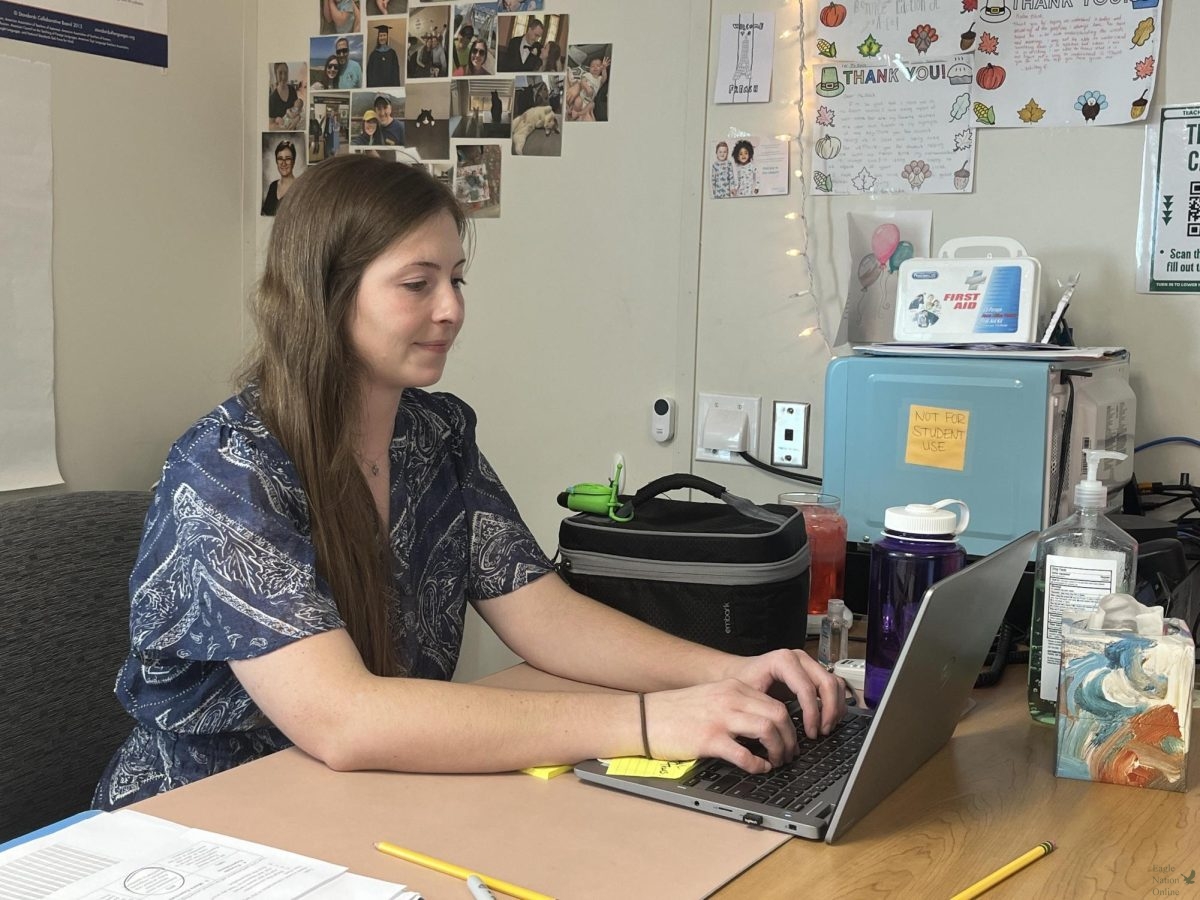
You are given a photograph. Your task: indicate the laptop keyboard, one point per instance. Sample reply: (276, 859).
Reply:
(818, 765)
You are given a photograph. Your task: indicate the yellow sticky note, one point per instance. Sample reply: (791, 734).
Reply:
(641, 767)
(937, 437)
(546, 772)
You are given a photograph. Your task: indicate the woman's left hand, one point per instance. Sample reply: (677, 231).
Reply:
(821, 694)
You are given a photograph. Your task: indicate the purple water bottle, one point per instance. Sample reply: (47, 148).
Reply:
(918, 548)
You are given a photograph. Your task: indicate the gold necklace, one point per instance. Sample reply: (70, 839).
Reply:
(369, 464)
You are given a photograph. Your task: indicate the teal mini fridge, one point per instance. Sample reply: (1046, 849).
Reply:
(982, 429)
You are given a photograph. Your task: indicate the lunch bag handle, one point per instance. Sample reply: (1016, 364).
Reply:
(681, 480)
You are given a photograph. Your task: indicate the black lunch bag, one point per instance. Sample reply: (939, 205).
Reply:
(732, 575)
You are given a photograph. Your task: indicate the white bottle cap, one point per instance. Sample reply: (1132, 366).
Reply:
(836, 608)
(1091, 492)
(931, 519)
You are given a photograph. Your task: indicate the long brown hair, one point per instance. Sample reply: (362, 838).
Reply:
(337, 218)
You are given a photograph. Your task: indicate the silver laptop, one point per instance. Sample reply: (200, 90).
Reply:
(837, 780)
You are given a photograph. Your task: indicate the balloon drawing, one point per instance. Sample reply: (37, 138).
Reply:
(884, 242)
(868, 271)
(903, 251)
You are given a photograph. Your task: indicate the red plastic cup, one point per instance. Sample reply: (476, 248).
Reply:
(827, 543)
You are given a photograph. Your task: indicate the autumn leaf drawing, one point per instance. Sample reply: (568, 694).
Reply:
(1031, 112)
(1143, 68)
(825, 116)
(1144, 30)
(970, 5)
(964, 139)
(988, 43)
(864, 181)
(870, 47)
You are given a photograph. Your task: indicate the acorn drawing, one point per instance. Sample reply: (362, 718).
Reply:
(962, 178)
(967, 39)
(1138, 109)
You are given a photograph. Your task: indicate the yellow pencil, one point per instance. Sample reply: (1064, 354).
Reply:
(446, 868)
(1000, 874)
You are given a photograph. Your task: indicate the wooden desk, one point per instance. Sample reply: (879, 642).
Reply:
(986, 798)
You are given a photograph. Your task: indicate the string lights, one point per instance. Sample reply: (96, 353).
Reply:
(801, 192)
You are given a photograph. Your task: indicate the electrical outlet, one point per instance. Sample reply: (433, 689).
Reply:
(789, 434)
(727, 411)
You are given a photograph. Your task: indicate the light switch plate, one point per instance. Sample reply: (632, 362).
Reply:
(789, 434)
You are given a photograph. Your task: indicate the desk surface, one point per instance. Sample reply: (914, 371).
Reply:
(984, 799)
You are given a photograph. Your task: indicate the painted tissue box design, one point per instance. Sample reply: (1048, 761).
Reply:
(1125, 706)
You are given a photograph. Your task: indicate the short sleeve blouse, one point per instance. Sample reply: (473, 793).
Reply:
(227, 571)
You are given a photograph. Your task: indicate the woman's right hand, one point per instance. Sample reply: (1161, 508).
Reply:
(708, 719)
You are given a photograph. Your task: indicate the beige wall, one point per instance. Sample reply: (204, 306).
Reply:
(147, 265)
(1070, 195)
(609, 280)
(581, 298)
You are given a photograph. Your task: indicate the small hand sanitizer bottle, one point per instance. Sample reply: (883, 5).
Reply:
(835, 638)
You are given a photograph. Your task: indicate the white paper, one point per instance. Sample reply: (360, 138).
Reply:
(126, 855)
(1169, 228)
(887, 128)
(349, 886)
(747, 47)
(748, 166)
(58, 860)
(200, 865)
(870, 311)
(27, 454)
(1053, 62)
(990, 351)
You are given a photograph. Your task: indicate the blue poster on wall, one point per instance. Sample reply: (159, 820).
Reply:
(133, 30)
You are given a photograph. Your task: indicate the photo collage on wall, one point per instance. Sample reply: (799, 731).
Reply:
(450, 87)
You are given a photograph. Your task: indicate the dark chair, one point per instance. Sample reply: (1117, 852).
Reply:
(64, 630)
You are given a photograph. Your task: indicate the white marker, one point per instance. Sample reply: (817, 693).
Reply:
(478, 889)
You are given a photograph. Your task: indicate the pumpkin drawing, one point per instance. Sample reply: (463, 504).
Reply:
(833, 15)
(828, 147)
(990, 77)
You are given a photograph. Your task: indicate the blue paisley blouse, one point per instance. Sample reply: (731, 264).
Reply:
(227, 571)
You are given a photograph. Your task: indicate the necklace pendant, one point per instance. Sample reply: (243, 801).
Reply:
(374, 468)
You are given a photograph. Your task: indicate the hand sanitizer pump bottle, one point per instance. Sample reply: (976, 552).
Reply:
(1079, 560)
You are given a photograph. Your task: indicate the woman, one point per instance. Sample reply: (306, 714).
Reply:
(369, 136)
(552, 58)
(313, 542)
(477, 53)
(285, 162)
(330, 72)
(285, 105)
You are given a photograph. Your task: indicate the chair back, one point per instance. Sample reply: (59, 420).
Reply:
(64, 631)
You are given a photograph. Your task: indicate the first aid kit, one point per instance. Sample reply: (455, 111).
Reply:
(953, 298)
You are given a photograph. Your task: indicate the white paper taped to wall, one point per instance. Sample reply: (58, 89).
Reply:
(27, 452)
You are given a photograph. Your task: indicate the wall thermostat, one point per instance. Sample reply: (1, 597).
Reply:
(662, 419)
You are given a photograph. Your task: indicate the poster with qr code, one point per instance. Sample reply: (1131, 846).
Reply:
(1169, 230)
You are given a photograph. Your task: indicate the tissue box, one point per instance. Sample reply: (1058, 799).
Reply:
(1125, 705)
